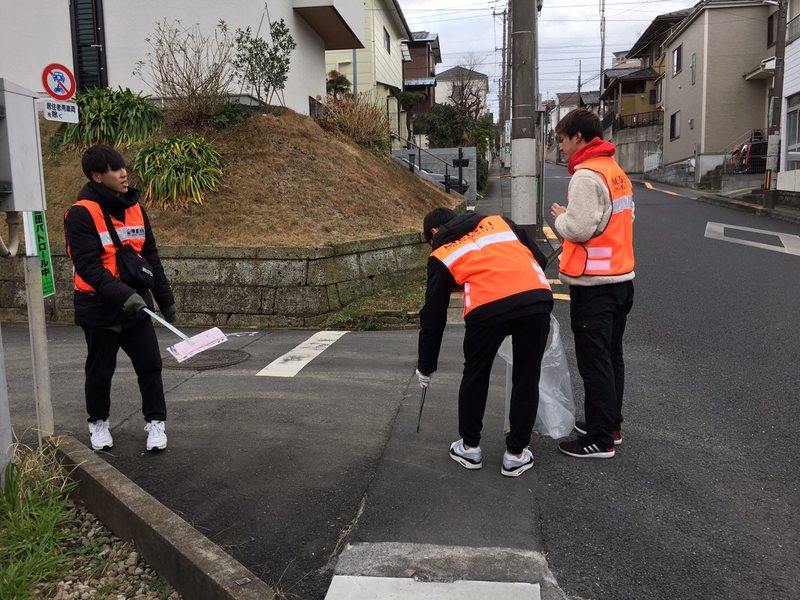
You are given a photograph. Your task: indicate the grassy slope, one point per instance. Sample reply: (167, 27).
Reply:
(287, 182)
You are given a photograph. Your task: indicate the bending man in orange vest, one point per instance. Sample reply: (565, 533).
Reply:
(597, 263)
(505, 293)
(108, 308)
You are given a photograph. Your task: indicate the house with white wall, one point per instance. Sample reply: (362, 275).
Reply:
(377, 68)
(789, 171)
(101, 41)
(464, 87)
(717, 82)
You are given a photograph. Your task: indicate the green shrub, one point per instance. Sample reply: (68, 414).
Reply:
(113, 117)
(33, 512)
(361, 119)
(230, 115)
(178, 170)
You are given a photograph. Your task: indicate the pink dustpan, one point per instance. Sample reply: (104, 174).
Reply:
(190, 346)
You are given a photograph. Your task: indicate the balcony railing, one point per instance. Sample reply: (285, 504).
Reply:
(639, 120)
(793, 30)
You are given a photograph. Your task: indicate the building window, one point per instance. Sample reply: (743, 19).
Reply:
(694, 67)
(659, 90)
(793, 123)
(772, 29)
(675, 126)
(677, 56)
(653, 97)
(387, 41)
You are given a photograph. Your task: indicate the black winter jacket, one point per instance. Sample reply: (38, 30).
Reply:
(104, 307)
(433, 316)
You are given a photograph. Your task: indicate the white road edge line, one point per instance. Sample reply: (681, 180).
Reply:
(293, 361)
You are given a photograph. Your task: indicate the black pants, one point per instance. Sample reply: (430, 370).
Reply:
(140, 344)
(598, 315)
(481, 342)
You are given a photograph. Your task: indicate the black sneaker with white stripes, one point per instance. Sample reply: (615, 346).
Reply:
(580, 427)
(584, 448)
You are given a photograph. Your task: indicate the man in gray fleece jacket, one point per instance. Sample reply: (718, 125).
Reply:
(597, 262)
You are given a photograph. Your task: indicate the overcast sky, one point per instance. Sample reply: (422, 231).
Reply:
(569, 33)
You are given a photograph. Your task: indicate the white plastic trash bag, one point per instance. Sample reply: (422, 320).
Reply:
(556, 415)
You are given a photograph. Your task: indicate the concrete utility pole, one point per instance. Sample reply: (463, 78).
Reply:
(602, 51)
(503, 91)
(506, 124)
(524, 163)
(774, 140)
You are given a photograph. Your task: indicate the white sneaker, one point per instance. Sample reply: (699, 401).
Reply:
(100, 435)
(156, 436)
(513, 466)
(469, 459)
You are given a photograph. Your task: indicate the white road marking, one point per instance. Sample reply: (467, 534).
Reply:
(292, 362)
(344, 587)
(790, 243)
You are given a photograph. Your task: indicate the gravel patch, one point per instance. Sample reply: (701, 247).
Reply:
(103, 566)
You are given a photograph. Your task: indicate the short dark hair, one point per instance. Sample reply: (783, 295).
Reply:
(583, 121)
(436, 218)
(101, 159)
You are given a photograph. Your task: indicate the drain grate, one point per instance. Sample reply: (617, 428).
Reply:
(210, 359)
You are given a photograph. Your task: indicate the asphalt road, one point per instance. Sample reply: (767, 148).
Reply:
(701, 500)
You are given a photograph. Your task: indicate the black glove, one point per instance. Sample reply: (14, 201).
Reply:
(170, 313)
(134, 305)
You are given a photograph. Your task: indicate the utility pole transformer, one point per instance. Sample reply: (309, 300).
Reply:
(524, 163)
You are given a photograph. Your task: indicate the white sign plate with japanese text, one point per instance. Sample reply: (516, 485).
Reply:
(64, 112)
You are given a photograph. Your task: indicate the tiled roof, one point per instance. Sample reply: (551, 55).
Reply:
(460, 73)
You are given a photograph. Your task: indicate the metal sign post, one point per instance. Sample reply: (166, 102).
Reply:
(38, 329)
(6, 440)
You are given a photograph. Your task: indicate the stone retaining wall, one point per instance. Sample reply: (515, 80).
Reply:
(247, 287)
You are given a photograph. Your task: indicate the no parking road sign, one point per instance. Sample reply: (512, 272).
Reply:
(58, 82)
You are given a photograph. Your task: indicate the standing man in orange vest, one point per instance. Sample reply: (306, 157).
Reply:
(110, 310)
(597, 263)
(505, 293)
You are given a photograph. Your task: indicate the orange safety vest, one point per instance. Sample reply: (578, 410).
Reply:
(491, 263)
(131, 232)
(611, 251)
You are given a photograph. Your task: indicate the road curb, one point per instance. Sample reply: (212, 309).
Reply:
(790, 215)
(190, 562)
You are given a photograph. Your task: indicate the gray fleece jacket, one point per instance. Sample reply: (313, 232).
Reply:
(588, 212)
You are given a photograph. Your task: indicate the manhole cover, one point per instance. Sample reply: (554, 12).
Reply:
(210, 359)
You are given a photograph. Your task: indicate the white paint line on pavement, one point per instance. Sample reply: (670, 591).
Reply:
(292, 362)
(347, 587)
(790, 243)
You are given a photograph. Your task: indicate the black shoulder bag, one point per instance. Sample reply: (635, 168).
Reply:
(134, 270)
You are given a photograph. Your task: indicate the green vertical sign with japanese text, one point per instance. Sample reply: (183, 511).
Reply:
(43, 250)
